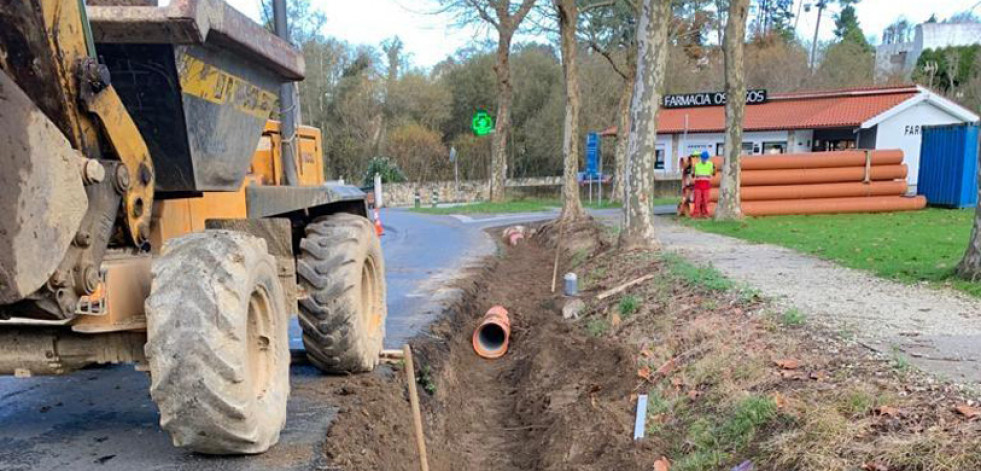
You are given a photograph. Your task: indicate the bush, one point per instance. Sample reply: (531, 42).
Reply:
(390, 171)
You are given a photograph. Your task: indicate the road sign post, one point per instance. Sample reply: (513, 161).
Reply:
(456, 170)
(592, 162)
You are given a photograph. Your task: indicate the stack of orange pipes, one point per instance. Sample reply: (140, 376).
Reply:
(816, 183)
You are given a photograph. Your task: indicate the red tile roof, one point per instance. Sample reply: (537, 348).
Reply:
(798, 110)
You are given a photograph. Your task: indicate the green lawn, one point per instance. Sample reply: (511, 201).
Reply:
(907, 246)
(528, 205)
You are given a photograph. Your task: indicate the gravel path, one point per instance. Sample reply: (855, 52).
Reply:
(938, 330)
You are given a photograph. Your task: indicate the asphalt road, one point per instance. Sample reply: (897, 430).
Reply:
(103, 418)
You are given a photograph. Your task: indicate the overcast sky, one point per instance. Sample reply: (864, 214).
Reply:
(430, 38)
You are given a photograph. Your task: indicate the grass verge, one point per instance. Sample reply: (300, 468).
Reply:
(730, 379)
(911, 247)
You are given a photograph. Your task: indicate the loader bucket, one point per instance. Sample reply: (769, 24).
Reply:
(200, 80)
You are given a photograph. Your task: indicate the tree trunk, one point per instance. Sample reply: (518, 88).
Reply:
(568, 19)
(728, 208)
(502, 125)
(970, 266)
(623, 131)
(652, 36)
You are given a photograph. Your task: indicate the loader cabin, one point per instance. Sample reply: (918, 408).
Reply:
(800, 122)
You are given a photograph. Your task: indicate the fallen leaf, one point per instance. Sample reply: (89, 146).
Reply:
(779, 400)
(968, 411)
(645, 352)
(615, 320)
(633, 398)
(788, 364)
(694, 394)
(874, 467)
(662, 464)
(666, 367)
(790, 374)
(644, 372)
(819, 375)
(677, 382)
(887, 411)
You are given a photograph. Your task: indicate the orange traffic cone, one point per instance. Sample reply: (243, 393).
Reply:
(378, 224)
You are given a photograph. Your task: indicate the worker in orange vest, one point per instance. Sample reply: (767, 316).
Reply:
(703, 170)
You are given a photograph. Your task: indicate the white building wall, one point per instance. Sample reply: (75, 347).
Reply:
(926, 36)
(905, 131)
(891, 59)
(711, 142)
(802, 141)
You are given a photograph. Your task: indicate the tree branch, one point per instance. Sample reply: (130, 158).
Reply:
(522, 12)
(483, 13)
(609, 58)
(599, 4)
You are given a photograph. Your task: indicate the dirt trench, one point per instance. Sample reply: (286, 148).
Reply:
(558, 400)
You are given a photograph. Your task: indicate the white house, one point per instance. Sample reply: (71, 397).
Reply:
(900, 58)
(869, 118)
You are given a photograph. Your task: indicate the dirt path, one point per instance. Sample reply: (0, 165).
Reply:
(939, 330)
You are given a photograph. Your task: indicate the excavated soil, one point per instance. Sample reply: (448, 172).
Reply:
(734, 381)
(559, 399)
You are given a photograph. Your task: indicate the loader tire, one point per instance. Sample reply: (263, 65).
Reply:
(218, 343)
(341, 270)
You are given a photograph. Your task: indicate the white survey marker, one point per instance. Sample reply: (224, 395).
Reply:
(641, 416)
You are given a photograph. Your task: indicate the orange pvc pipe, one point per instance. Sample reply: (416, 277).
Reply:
(873, 204)
(491, 337)
(820, 190)
(818, 175)
(848, 158)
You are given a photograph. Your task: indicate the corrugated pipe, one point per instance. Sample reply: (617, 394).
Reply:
(870, 204)
(490, 338)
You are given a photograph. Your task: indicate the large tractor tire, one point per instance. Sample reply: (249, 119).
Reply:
(218, 343)
(341, 270)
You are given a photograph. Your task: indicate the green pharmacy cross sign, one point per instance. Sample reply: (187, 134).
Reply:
(482, 124)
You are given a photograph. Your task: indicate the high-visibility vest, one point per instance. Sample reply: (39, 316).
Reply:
(704, 169)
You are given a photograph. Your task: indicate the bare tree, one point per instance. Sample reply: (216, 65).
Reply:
(393, 53)
(505, 18)
(568, 14)
(970, 266)
(610, 29)
(652, 58)
(729, 201)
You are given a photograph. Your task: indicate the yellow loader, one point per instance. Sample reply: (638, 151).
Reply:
(148, 214)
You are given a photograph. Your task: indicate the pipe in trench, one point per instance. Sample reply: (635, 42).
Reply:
(491, 337)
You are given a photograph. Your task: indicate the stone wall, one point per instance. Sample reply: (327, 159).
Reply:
(403, 194)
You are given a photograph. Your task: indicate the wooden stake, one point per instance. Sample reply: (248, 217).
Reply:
(558, 250)
(623, 287)
(410, 374)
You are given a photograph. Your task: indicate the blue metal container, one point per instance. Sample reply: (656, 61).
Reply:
(571, 284)
(949, 165)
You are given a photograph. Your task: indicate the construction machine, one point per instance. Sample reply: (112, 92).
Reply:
(148, 216)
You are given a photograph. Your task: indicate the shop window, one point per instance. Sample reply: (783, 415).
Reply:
(776, 147)
(749, 148)
(833, 145)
